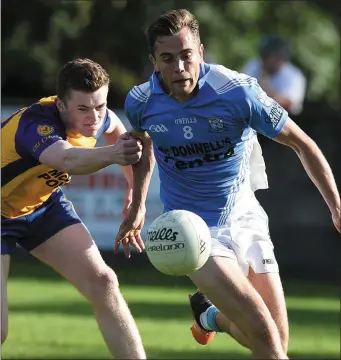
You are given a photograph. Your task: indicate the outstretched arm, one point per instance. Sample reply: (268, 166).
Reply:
(78, 160)
(315, 165)
(130, 228)
(44, 140)
(142, 171)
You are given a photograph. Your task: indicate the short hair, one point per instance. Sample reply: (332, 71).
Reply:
(274, 45)
(81, 75)
(171, 23)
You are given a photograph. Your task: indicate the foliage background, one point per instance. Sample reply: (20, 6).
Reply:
(44, 34)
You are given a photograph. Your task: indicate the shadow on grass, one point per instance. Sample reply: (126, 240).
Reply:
(138, 271)
(202, 353)
(170, 311)
(206, 353)
(55, 351)
(152, 353)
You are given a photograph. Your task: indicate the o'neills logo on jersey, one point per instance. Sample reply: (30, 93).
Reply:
(162, 234)
(185, 121)
(216, 124)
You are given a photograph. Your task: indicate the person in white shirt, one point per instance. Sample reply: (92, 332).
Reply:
(277, 76)
(283, 82)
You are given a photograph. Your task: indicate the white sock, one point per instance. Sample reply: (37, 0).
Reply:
(208, 319)
(204, 319)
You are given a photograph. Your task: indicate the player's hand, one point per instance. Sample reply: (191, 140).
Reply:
(130, 232)
(336, 217)
(128, 199)
(127, 150)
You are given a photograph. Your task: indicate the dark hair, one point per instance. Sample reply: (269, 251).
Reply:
(171, 23)
(274, 45)
(82, 75)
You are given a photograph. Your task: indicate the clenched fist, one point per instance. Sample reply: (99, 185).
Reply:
(127, 150)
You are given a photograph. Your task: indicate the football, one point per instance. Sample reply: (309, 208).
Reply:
(178, 243)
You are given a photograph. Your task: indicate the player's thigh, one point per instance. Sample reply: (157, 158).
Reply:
(5, 264)
(73, 253)
(269, 286)
(224, 283)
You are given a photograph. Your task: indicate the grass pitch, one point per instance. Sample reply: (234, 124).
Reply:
(50, 320)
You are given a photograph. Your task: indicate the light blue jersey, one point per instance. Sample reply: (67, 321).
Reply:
(203, 146)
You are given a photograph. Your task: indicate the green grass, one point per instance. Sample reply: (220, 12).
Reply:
(49, 319)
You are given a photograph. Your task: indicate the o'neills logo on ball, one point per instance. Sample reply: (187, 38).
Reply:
(162, 234)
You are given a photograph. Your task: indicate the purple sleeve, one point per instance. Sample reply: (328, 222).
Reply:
(37, 135)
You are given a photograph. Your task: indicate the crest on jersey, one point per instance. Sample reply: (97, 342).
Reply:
(264, 98)
(216, 124)
(44, 130)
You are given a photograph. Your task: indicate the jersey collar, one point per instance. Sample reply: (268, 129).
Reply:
(155, 84)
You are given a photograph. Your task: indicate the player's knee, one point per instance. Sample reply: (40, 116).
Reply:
(101, 285)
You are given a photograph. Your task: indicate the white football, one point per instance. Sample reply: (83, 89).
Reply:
(178, 243)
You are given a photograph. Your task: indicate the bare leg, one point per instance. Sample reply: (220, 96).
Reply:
(223, 282)
(73, 254)
(229, 327)
(269, 287)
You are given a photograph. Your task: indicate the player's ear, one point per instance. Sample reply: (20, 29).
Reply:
(152, 59)
(201, 50)
(60, 105)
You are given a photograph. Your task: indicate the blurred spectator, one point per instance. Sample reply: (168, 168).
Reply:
(278, 77)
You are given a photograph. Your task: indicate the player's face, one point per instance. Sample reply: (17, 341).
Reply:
(178, 58)
(84, 112)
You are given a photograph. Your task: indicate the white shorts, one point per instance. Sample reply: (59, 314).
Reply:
(245, 236)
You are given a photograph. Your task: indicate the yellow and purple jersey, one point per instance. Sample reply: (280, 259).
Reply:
(25, 182)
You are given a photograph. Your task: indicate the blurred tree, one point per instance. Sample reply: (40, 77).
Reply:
(312, 34)
(38, 36)
(32, 43)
